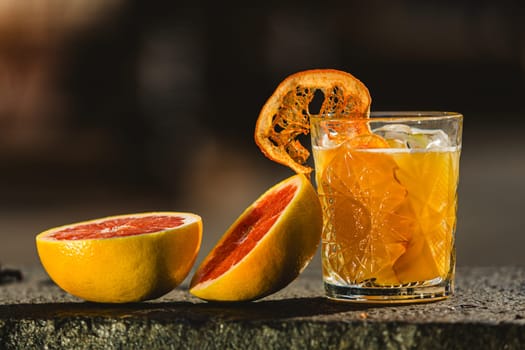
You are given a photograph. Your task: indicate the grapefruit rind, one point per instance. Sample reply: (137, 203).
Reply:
(277, 258)
(122, 269)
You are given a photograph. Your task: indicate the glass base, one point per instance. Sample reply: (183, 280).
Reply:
(390, 295)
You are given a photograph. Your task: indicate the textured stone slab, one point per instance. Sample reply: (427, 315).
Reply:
(487, 312)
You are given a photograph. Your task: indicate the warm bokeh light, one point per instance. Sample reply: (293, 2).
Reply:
(109, 107)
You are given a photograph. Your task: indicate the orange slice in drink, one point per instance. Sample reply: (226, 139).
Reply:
(361, 196)
(286, 114)
(432, 204)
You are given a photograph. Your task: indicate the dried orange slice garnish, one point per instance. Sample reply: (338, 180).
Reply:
(286, 114)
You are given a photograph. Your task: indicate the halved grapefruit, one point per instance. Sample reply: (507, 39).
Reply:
(125, 258)
(266, 248)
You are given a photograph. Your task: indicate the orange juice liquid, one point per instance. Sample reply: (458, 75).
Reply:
(389, 215)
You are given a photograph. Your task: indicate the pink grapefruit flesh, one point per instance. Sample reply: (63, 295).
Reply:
(118, 227)
(248, 232)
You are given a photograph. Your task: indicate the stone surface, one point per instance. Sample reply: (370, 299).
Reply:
(487, 312)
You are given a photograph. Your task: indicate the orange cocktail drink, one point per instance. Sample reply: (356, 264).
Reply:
(387, 186)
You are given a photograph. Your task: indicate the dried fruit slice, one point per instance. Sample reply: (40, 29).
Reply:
(266, 248)
(286, 115)
(123, 258)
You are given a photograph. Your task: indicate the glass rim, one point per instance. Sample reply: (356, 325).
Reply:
(396, 116)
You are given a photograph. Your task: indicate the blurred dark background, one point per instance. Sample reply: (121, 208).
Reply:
(110, 106)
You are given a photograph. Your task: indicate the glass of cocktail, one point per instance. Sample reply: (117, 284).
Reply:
(388, 188)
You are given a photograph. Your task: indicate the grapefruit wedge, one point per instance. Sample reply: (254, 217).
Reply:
(266, 248)
(125, 258)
